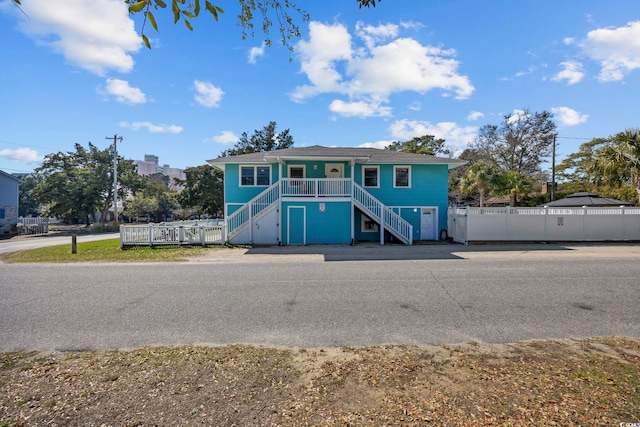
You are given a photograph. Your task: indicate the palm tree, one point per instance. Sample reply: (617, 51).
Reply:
(514, 184)
(620, 161)
(479, 177)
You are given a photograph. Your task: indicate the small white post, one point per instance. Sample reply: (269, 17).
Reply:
(150, 234)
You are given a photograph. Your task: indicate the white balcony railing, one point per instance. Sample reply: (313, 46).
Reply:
(312, 187)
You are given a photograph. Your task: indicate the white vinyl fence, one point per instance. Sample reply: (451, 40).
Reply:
(171, 234)
(470, 224)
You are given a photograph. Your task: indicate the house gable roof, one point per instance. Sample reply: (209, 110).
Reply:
(317, 152)
(8, 175)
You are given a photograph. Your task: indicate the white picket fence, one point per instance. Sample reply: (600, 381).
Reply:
(470, 224)
(171, 234)
(35, 225)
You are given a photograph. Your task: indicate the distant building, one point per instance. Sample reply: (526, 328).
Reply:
(150, 165)
(8, 201)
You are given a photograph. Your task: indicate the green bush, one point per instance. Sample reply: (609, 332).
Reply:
(105, 228)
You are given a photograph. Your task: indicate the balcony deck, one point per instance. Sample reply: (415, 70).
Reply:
(316, 187)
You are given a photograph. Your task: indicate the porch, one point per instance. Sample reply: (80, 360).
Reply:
(316, 187)
(293, 206)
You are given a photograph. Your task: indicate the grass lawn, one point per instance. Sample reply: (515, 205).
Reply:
(105, 251)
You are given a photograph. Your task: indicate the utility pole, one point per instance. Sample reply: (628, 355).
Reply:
(553, 169)
(115, 139)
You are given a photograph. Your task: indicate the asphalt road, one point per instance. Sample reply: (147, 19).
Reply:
(326, 297)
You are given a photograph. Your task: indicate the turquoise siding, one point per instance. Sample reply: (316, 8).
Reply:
(234, 193)
(429, 187)
(313, 169)
(333, 226)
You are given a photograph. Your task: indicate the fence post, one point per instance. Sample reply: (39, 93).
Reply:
(506, 222)
(150, 234)
(584, 222)
(202, 234)
(121, 235)
(622, 221)
(546, 218)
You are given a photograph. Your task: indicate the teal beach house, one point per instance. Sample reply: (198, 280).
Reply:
(328, 195)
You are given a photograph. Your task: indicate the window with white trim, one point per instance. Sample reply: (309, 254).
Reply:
(402, 176)
(371, 176)
(367, 225)
(296, 171)
(255, 176)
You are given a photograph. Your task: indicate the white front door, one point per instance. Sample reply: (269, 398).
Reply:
(428, 224)
(334, 170)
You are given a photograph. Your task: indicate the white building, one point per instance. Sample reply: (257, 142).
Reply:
(150, 165)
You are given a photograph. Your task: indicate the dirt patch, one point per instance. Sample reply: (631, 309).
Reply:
(569, 382)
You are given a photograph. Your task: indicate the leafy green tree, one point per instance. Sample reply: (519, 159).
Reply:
(27, 204)
(76, 185)
(266, 139)
(140, 205)
(285, 12)
(426, 144)
(203, 190)
(481, 178)
(165, 199)
(520, 143)
(609, 166)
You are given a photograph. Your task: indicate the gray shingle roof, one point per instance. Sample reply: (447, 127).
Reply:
(362, 155)
(586, 199)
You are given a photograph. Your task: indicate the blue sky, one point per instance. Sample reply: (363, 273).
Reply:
(75, 71)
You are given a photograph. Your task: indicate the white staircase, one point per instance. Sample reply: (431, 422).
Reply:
(260, 205)
(382, 214)
(252, 210)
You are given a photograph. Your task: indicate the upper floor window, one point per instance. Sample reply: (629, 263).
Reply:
(296, 172)
(371, 176)
(401, 176)
(251, 176)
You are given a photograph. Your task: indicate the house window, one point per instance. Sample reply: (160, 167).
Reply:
(367, 225)
(371, 176)
(252, 176)
(402, 176)
(296, 172)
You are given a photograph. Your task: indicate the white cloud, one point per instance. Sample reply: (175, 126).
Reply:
(24, 155)
(97, 36)
(372, 35)
(568, 116)
(383, 66)
(255, 53)
(359, 109)
(572, 72)
(532, 69)
(327, 44)
(475, 115)
(153, 128)
(124, 93)
(616, 49)
(225, 137)
(207, 94)
(455, 136)
(415, 106)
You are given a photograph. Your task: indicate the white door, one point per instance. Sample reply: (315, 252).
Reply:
(428, 224)
(334, 170)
